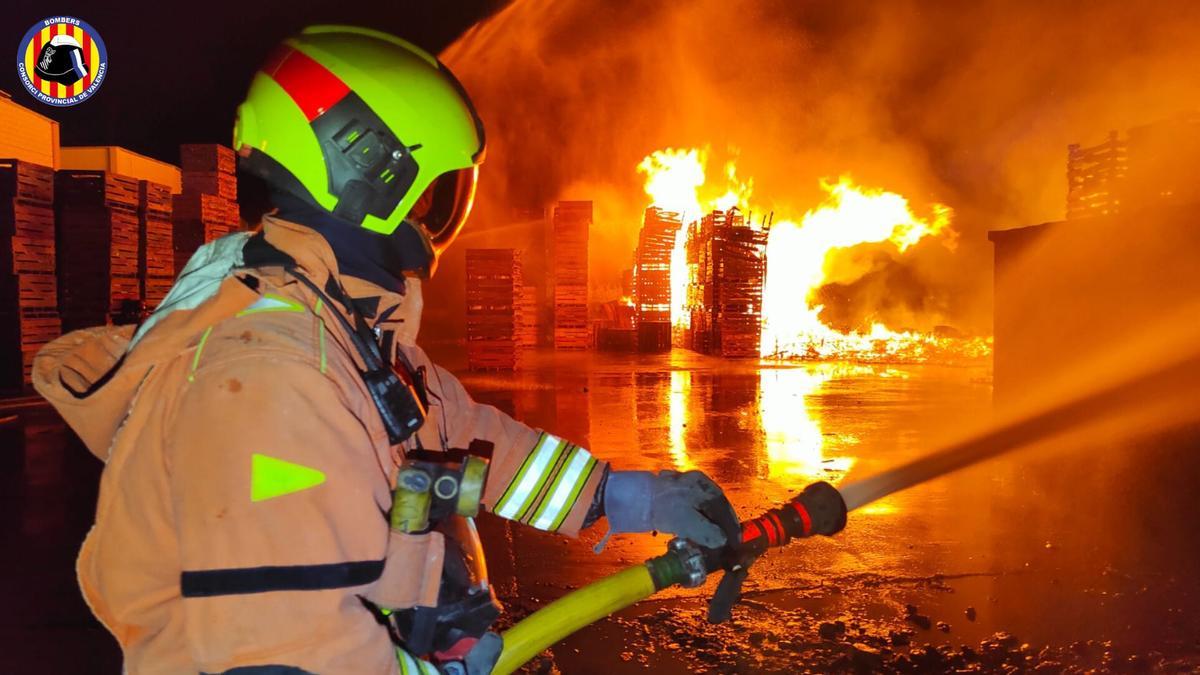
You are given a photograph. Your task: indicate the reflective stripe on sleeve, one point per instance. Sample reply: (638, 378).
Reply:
(548, 484)
(532, 473)
(565, 490)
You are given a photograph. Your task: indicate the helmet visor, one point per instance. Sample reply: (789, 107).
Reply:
(444, 206)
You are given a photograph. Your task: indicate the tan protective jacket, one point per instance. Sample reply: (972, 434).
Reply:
(243, 507)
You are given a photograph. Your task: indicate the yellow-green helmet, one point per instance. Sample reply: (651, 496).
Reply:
(367, 127)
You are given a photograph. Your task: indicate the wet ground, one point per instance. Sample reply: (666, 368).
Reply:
(1051, 560)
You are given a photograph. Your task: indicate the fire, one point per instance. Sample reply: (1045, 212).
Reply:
(798, 253)
(673, 180)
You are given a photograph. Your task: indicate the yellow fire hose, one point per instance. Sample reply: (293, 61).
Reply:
(819, 509)
(572, 612)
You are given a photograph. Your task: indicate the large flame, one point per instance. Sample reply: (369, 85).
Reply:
(798, 252)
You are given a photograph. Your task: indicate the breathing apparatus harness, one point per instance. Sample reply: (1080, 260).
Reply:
(435, 490)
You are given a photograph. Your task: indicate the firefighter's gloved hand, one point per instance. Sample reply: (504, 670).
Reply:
(687, 505)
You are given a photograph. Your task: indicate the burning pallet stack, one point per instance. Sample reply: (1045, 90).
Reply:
(572, 220)
(208, 208)
(495, 323)
(652, 279)
(98, 244)
(29, 309)
(156, 255)
(1094, 177)
(727, 261)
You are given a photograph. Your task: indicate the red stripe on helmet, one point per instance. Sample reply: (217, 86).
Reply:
(309, 83)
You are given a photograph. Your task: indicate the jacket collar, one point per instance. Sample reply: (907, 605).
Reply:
(399, 313)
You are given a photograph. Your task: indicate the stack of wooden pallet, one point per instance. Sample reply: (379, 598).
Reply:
(572, 220)
(652, 279)
(727, 257)
(208, 208)
(28, 299)
(98, 246)
(1095, 177)
(156, 256)
(494, 317)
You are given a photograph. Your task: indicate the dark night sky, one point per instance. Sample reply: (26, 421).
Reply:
(177, 70)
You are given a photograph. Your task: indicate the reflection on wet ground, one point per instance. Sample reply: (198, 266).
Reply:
(1065, 549)
(1056, 546)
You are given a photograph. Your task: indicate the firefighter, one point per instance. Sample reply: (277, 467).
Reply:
(253, 427)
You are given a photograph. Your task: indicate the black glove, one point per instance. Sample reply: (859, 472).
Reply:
(688, 505)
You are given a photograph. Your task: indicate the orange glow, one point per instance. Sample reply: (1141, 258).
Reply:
(798, 258)
(673, 177)
(850, 215)
(795, 441)
(677, 402)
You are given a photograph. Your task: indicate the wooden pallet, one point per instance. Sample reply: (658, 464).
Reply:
(568, 338)
(154, 289)
(29, 294)
(197, 206)
(25, 255)
(26, 219)
(571, 222)
(727, 260)
(202, 157)
(494, 354)
(223, 185)
(97, 241)
(156, 257)
(1094, 177)
(154, 198)
(26, 181)
(95, 189)
(493, 298)
(652, 265)
(29, 328)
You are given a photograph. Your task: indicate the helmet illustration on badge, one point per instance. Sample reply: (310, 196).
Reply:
(61, 60)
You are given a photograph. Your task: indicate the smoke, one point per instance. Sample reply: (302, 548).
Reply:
(967, 104)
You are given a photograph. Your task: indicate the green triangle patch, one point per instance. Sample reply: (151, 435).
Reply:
(271, 477)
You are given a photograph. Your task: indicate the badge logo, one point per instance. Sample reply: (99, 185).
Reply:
(62, 61)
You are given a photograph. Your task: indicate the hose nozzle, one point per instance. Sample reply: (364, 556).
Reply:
(819, 509)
